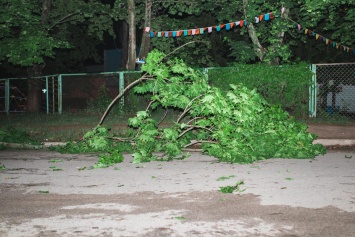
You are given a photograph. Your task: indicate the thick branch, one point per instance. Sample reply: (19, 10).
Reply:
(192, 128)
(199, 141)
(187, 109)
(143, 78)
(63, 20)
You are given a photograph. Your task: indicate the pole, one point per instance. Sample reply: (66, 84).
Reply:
(60, 104)
(7, 96)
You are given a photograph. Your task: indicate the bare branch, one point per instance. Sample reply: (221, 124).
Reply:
(143, 78)
(188, 109)
(199, 141)
(63, 20)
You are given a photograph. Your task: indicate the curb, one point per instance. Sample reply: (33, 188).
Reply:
(335, 142)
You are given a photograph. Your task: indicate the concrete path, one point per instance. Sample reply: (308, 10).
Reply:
(49, 194)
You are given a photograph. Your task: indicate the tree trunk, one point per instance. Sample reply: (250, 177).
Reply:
(145, 43)
(34, 90)
(124, 36)
(131, 63)
(276, 60)
(258, 48)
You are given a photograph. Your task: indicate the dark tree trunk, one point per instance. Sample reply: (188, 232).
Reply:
(131, 63)
(33, 104)
(34, 90)
(258, 48)
(145, 43)
(124, 37)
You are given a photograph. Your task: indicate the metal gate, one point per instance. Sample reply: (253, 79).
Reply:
(332, 94)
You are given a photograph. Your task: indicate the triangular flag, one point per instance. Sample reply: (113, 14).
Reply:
(166, 34)
(261, 17)
(151, 34)
(228, 26)
(201, 30)
(317, 36)
(210, 29)
(147, 29)
(326, 41)
(245, 22)
(193, 32)
(218, 28)
(272, 15)
(267, 17)
(189, 32)
(170, 33)
(197, 31)
(257, 19)
(306, 31)
(334, 44)
(299, 26)
(159, 34)
(174, 33)
(241, 23)
(232, 24)
(179, 33)
(185, 32)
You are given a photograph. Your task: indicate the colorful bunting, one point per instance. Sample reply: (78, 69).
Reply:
(228, 26)
(241, 23)
(326, 40)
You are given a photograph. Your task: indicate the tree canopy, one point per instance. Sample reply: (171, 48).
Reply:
(38, 32)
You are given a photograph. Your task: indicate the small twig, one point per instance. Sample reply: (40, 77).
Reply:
(166, 113)
(199, 141)
(143, 78)
(187, 109)
(192, 128)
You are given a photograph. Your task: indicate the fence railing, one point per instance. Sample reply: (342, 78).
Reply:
(330, 94)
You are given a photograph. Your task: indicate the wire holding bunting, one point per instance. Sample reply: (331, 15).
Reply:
(321, 38)
(228, 26)
(209, 29)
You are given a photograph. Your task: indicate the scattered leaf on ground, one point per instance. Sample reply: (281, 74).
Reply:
(56, 160)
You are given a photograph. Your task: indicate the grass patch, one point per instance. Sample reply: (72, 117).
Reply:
(225, 177)
(231, 189)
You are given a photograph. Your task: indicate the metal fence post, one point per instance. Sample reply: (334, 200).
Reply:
(47, 100)
(121, 88)
(7, 96)
(313, 92)
(60, 102)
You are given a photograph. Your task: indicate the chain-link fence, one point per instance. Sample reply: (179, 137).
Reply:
(331, 93)
(13, 95)
(335, 91)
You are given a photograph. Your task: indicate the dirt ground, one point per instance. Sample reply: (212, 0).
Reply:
(328, 131)
(45, 193)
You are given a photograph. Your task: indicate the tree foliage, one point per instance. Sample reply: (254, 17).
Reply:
(29, 35)
(236, 126)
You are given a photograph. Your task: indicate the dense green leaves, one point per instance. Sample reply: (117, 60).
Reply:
(30, 34)
(236, 125)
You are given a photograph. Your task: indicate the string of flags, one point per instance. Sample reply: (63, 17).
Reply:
(263, 17)
(323, 39)
(209, 29)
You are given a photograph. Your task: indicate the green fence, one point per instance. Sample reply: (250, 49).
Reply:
(334, 92)
(299, 89)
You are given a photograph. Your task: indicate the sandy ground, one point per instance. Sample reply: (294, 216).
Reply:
(279, 197)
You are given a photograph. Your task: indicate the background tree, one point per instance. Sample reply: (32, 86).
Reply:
(33, 31)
